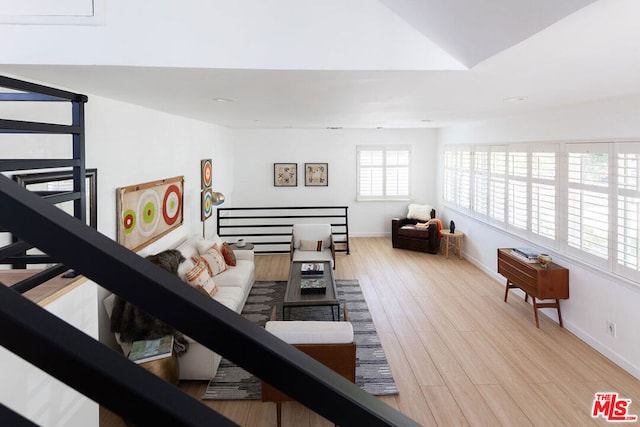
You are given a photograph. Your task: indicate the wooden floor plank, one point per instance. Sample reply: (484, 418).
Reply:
(446, 319)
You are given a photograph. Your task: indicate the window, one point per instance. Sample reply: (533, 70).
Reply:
(588, 199)
(582, 199)
(457, 177)
(628, 210)
(497, 184)
(481, 182)
(518, 212)
(543, 193)
(383, 172)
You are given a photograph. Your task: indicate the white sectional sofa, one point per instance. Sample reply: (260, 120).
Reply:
(233, 286)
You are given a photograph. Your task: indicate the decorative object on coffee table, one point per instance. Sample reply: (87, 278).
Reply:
(296, 296)
(452, 227)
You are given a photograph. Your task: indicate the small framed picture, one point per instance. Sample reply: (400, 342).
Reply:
(316, 174)
(285, 174)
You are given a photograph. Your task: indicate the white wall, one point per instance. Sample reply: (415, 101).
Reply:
(258, 150)
(130, 145)
(595, 296)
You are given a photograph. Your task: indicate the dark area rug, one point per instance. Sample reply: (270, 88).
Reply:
(372, 369)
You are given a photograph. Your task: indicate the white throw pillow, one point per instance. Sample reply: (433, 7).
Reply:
(420, 212)
(214, 260)
(199, 277)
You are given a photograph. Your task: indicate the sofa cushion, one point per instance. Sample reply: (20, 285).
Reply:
(203, 245)
(410, 230)
(231, 297)
(311, 232)
(311, 245)
(200, 278)
(311, 331)
(421, 212)
(313, 256)
(214, 260)
(228, 254)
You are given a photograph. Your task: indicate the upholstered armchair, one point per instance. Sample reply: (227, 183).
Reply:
(410, 233)
(312, 242)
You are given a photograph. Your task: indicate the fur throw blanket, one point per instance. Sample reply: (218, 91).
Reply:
(134, 324)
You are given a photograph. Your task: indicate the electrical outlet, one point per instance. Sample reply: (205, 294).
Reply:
(611, 328)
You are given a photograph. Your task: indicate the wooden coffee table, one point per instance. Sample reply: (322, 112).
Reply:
(294, 298)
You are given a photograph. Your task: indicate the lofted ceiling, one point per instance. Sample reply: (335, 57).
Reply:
(501, 57)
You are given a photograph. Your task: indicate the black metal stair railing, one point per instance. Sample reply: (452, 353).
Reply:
(269, 227)
(109, 379)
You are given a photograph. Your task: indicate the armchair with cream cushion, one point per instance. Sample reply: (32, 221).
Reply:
(312, 242)
(418, 231)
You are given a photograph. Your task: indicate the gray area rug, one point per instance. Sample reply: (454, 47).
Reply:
(372, 369)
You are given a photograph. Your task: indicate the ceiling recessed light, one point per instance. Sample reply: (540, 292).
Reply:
(426, 120)
(224, 100)
(515, 99)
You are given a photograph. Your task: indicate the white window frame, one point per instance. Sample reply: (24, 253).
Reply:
(385, 168)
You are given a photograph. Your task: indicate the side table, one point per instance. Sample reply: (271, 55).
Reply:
(246, 247)
(452, 239)
(166, 368)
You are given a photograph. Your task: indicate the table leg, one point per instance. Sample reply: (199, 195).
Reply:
(535, 310)
(559, 313)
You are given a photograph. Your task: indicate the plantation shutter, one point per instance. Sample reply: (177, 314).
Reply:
(383, 172)
(588, 200)
(497, 183)
(397, 172)
(543, 193)
(481, 181)
(628, 210)
(518, 214)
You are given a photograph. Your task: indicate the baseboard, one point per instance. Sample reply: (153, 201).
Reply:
(604, 350)
(597, 345)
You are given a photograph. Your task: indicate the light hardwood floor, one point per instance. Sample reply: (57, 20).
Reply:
(459, 354)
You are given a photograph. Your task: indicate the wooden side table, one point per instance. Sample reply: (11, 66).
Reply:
(246, 247)
(166, 368)
(452, 239)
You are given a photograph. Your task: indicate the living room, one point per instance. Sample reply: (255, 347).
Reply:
(130, 144)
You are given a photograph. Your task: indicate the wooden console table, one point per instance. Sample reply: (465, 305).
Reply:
(551, 283)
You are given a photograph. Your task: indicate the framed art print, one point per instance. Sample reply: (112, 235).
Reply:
(285, 174)
(206, 173)
(148, 211)
(207, 204)
(316, 174)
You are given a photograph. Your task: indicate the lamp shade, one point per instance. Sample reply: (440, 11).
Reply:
(218, 199)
